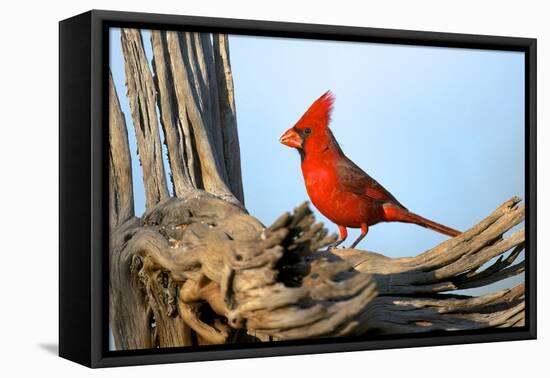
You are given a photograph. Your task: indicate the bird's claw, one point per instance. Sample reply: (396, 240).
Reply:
(335, 245)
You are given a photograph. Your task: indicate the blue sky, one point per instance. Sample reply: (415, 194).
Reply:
(440, 128)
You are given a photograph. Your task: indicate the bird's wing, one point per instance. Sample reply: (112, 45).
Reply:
(357, 181)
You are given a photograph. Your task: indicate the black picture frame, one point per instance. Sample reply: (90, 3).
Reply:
(83, 197)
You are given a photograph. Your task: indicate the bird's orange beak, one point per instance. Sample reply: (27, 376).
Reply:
(291, 138)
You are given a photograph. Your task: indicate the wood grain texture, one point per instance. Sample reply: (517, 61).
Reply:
(191, 91)
(403, 315)
(455, 263)
(142, 98)
(232, 280)
(121, 195)
(228, 118)
(174, 124)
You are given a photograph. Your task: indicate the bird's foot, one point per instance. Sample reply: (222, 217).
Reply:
(335, 245)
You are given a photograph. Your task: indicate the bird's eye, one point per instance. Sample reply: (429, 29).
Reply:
(307, 130)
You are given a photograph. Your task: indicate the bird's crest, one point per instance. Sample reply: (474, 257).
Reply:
(319, 112)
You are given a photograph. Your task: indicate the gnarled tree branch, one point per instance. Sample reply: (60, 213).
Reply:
(231, 277)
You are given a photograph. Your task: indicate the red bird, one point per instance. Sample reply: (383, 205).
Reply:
(341, 190)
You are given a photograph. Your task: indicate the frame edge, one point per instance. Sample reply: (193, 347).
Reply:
(99, 18)
(75, 334)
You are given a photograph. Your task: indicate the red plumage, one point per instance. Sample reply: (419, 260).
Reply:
(337, 187)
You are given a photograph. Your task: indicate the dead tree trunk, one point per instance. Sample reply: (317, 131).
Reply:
(141, 93)
(120, 166)
(197, 269)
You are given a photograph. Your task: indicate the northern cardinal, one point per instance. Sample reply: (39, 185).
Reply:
(338, 188)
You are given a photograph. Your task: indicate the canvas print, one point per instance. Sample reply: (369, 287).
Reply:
(266, 190)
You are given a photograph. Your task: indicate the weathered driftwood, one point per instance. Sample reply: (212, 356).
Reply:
(141, 94)
(196, 106)
(410, 286)
(209, 172)
(216, 268)
(198, 269)
(403, 315)
(228, 118)
(121, 196)
(454, 263)
(176, 134)
(205, 261)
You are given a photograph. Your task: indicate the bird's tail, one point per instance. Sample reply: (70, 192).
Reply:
(394, 213)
